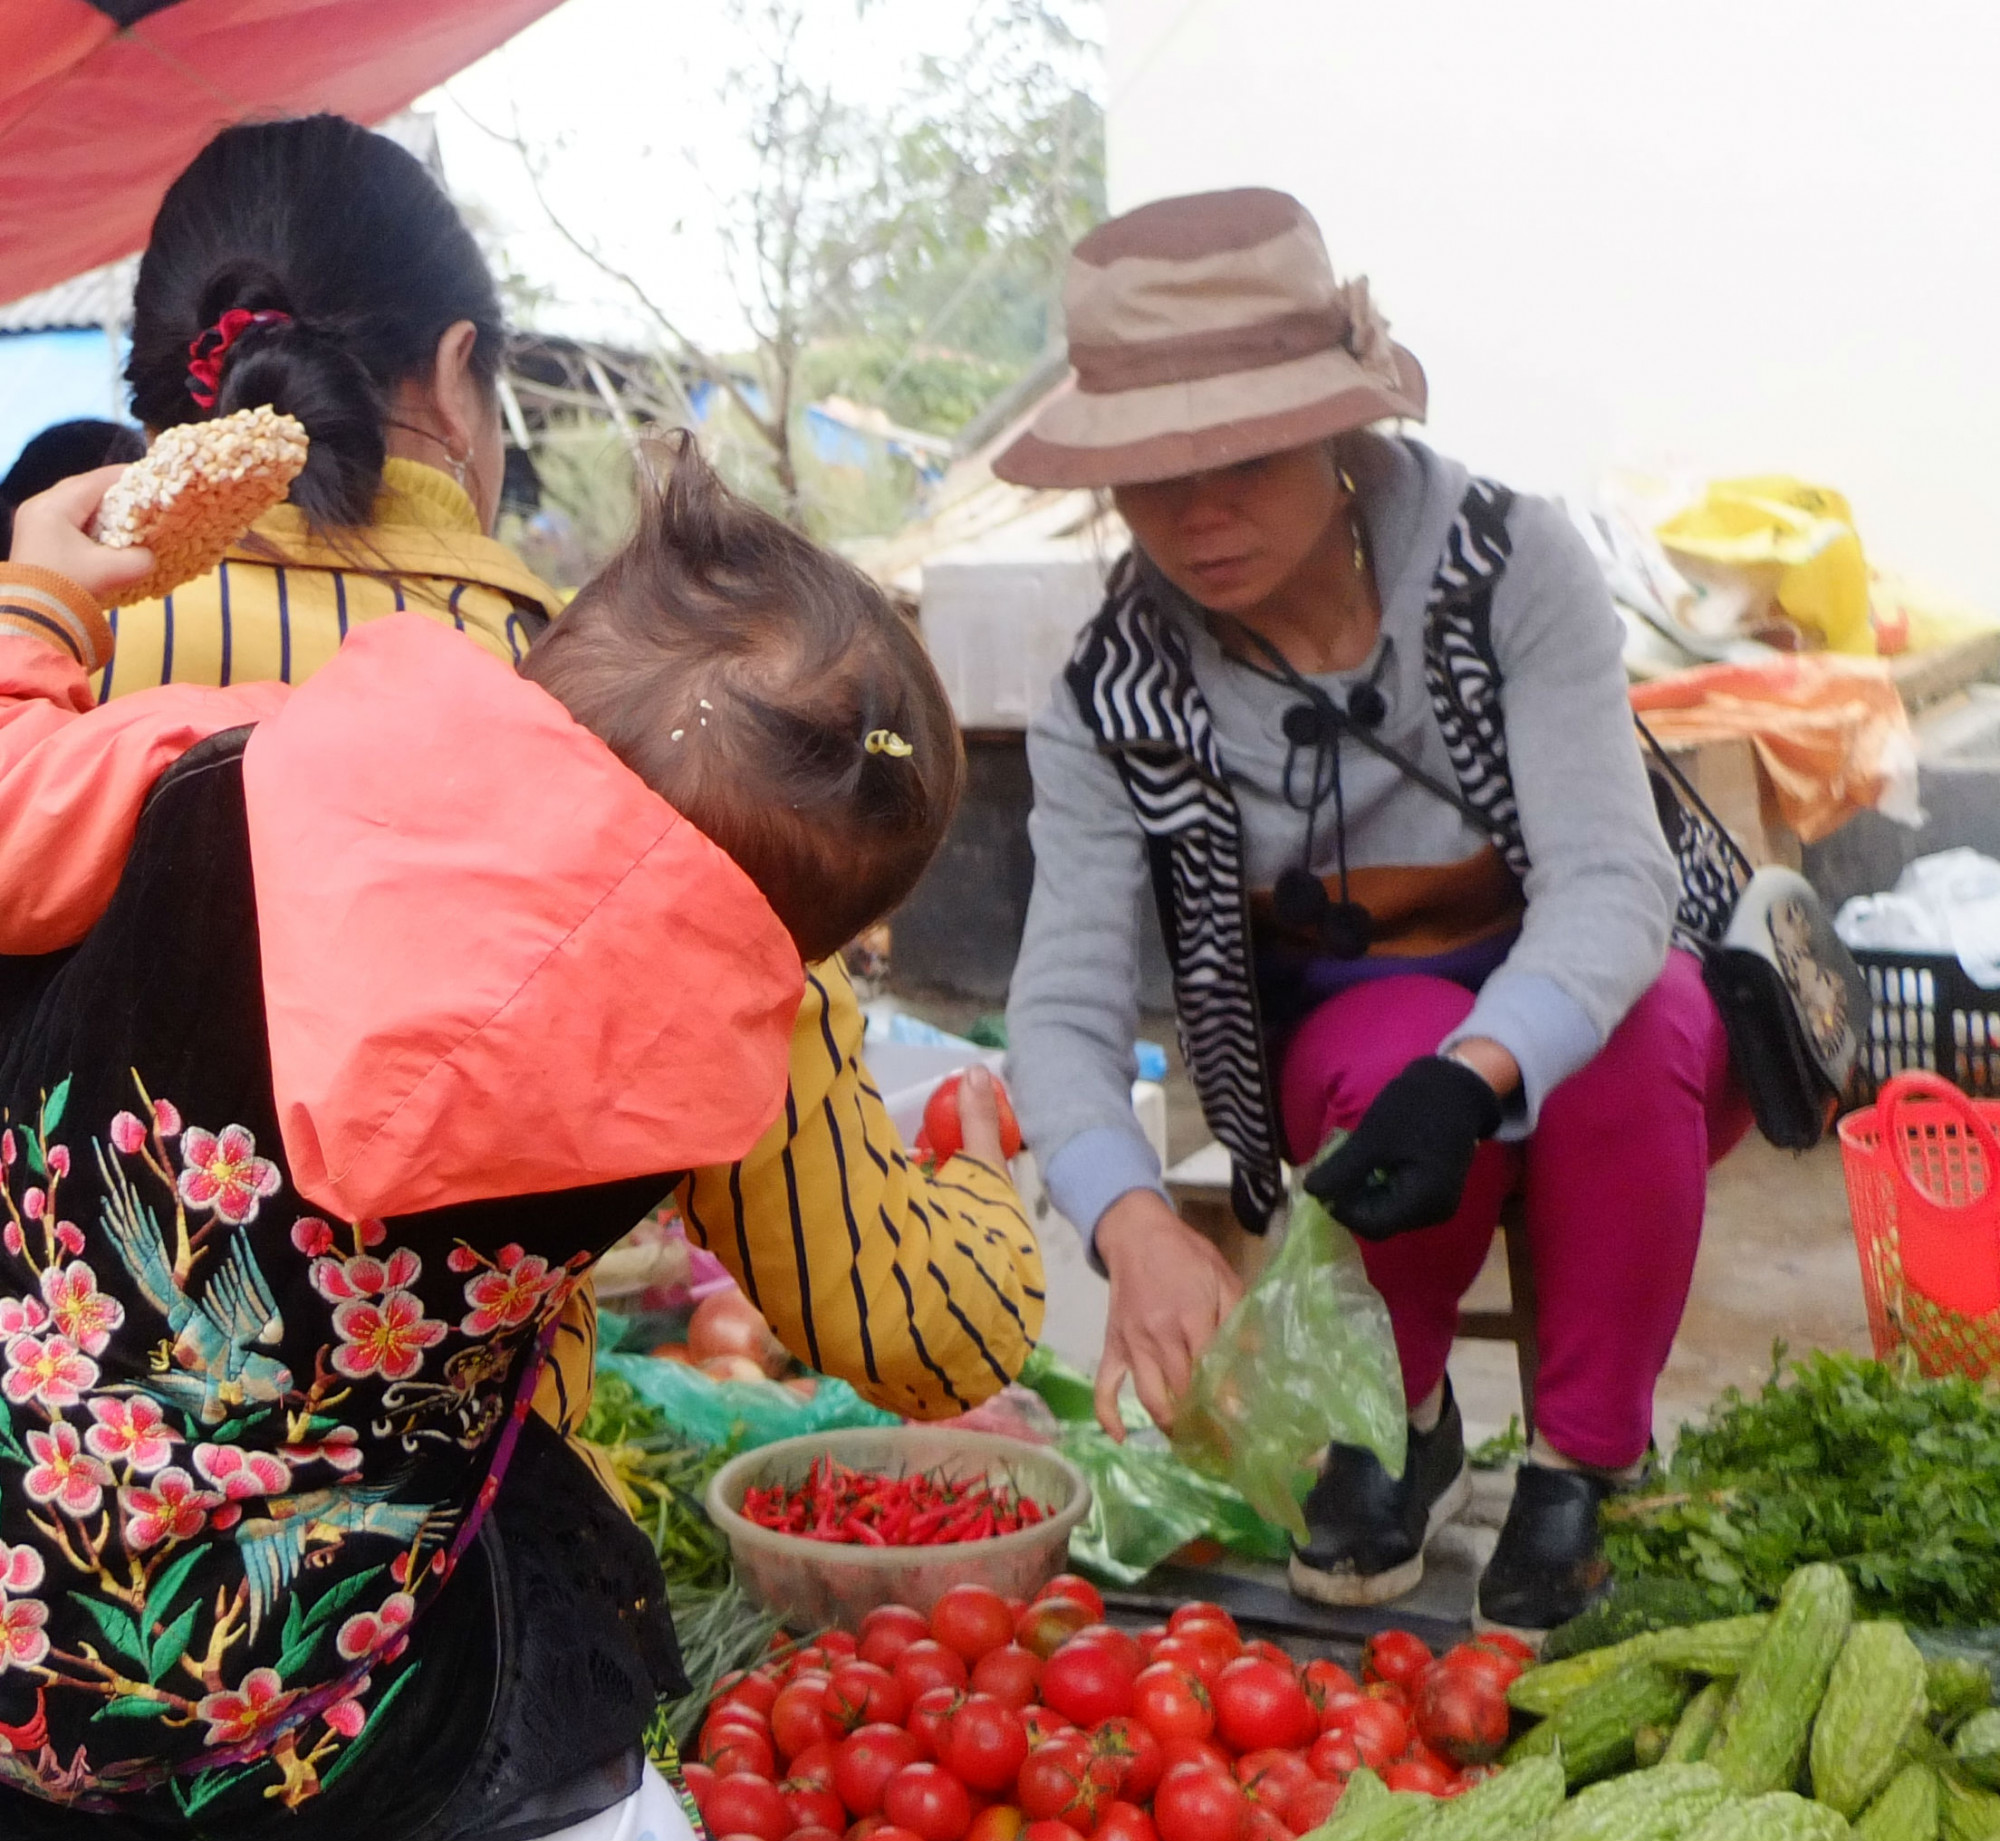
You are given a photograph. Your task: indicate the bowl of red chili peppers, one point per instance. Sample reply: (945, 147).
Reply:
(825, 1528)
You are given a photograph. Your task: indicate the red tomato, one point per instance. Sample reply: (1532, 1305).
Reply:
(928, 1800)
(1463, 1714)
(927, 1665)
(867, 1827)
(971, 1619)
(944, 1134)
(731, 1749)
(1394, 1692)
(1124, 1821)
(799, 1719)
(1204, 1650)
(860, 1694)
(1394, 1655)
(1379, 1729)
(756, 1692)
(841, 1645)
(1121, 1643)
(985, 1744)
(812, 1769)
(1510, 1645)
(1061, 1781)
(1088, 1682)
(813, 1655)
(1258, 1704)
(1048, 1829)
(1200, 1612)
(1011, 1674)
(813, 1808)
(930, 1719)
(1150, 1638)
(1172, 1703)
(1315, 1804)
(1044, 1724)
(1134, 1753)
(866, 1761)
(1489, 1664)
(890, 1831)
(1046, 1626)
(699, 1780)
(812, 1832)
(1265, 1825)
(997, 1822)
(747, 1805)
(1274, 1778)
(1334, 1757)
(1068, 1585)
(1204, 1752)
(1324, 1681)
(1419, 1774)
(1271, 1653)
(888, 1630)
(1196, 1804)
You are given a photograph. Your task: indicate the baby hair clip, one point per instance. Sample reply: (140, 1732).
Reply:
(887, 741)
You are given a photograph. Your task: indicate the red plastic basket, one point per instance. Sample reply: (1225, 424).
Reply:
(1923, 1187)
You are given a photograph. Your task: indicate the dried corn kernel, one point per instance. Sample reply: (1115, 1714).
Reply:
(199, 487)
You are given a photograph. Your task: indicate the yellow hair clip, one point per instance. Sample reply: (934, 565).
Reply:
(887, 741)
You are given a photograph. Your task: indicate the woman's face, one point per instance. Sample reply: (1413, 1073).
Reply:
(1232, 537)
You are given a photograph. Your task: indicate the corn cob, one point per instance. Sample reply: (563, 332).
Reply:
(199, 487)
(1767, 1725)
(1777, 1816)
(1658, 1805)
(1874, 1701)
(1906, 1811)
(1696, 1730)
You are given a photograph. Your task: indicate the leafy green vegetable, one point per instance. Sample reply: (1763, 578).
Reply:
(664, 1477)
(719, 1632)
(1872, 1466)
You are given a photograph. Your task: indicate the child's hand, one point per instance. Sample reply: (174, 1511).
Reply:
(50, 533)
(979, 1118)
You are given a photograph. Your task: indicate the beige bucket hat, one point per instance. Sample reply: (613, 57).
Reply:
(1206, 330)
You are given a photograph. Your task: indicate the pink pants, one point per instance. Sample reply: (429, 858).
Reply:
(1614, 1179)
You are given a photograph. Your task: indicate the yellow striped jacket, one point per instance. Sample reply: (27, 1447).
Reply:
(922, 1291)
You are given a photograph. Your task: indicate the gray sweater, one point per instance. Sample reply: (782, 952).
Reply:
(1600, 895)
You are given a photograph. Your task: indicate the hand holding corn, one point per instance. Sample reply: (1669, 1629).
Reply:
(200, 486)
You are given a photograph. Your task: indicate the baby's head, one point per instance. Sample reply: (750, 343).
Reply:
(770, 693)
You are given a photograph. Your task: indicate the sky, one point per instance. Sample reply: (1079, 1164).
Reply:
(624, 100)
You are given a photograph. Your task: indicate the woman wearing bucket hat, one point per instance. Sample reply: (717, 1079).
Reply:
(1358, 719)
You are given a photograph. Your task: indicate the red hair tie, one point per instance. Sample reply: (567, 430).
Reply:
(207, 351)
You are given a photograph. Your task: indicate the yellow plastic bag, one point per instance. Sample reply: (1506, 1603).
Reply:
(1802, 534)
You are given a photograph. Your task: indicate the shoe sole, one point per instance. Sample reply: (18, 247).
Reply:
(1378, 1588)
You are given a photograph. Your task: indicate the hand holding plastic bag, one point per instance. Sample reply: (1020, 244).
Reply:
(1306, 1360)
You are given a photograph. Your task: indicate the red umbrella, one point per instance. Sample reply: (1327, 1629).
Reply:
(103, 102)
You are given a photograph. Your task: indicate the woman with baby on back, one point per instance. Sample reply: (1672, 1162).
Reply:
(346, 1025)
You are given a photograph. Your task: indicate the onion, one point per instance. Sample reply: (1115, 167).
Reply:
(732, 1368)
(671, 1352)
(727, 1323)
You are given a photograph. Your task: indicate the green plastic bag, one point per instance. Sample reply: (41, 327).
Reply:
(1306, 1360)
(750, 1413)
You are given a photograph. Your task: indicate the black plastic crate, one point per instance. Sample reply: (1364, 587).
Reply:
(1928, 1014)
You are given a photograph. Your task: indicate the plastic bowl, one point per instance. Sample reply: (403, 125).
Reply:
(816, 1583)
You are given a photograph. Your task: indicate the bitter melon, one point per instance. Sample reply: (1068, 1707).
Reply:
(1719, 1648)
(1598, 1731)
(1976, 1749)
(1657, 1805)
(1544, 1691)
(1761, 1743)
(1778, 1816)
(1696, 1729)
(1502, 1807)
(1906, 1811)
(1874, 1700)
(1957, 1686)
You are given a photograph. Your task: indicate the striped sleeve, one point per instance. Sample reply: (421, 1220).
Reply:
(40, 604)
(562, 1395)
(923, 1291)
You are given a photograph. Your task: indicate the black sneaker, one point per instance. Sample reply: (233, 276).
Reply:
(1549, 1565)
(1366, 1530)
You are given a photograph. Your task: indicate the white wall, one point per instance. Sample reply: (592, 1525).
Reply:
(1740, 235)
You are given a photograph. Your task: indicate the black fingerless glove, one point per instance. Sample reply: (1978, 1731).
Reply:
(1406, 1163)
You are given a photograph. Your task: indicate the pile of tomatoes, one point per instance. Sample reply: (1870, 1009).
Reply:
(998, 1721)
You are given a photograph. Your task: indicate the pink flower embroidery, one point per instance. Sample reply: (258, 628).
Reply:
(346, 1718)
(10, 1237)
(64, 1473)
(22, 1641)
(365, 1276)
(166, 1118)
(7, 1151)
(388, 1339)
(225, 1174)
(133, 1431)
(69, 1237)
(241, 1474)
(235, 1717)
(128, 1133)
(54, 1371)
(372, 1232)
(20, 1569)
(312, 1236)
(22, 1317)
(463, 1259)
(171, 1510)
(58, 1160)
(33, 1203)
(370, 1632)
(80, 1311)
(340, 1447)
(507, 1299)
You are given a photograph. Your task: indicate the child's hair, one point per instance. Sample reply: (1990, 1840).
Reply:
(769, 692)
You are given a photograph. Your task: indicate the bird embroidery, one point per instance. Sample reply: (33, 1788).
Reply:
(294, 1529)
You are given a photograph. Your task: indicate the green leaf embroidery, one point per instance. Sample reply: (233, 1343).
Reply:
(171, 1644)
(119, 1629)
(36, 1162)
(159, 1601)
(299, 1654)
(338, 1597)
(295, 1623)
(54, 1107)
(129, 1707)
(332, 1773)
(231, 1430)
(8, 1442)
(196, 1795)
